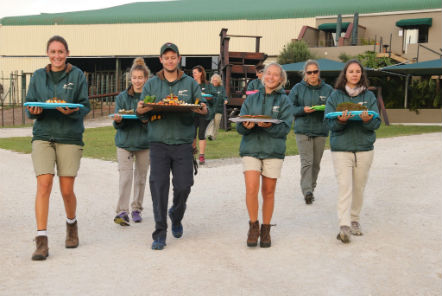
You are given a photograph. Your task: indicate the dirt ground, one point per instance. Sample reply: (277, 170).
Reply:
(400, 252)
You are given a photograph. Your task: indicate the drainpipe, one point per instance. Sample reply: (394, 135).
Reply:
(338, 28)
(354, 32)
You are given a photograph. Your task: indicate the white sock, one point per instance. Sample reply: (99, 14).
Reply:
(42, 233)
(71, 221)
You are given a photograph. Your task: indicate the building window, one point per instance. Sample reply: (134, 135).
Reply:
(414, 30)
(423, 35)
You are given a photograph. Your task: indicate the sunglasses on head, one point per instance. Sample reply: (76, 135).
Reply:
(312, 72)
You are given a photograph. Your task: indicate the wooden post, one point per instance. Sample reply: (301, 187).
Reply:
(406, 91)
(382, 106)
(11, 96)
(117, 75)
(23, 95)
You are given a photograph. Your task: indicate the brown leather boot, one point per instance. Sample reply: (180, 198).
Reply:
(42, 251)
(265, 241)
(253, 235)
(71, 235)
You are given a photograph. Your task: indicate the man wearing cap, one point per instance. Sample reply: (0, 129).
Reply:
(170, 137)
(256, 84)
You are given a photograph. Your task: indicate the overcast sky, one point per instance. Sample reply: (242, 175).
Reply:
(31, 7)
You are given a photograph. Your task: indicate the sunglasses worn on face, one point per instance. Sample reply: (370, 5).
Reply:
(312, 72)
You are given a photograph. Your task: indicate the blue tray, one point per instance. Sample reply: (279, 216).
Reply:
(356, 114)
(126, 116)
(52, 105)
(206, 95)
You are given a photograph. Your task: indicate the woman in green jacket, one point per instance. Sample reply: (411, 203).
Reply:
(310, 129)
(201, 123)
(132, 147)
(57, 138)
(220, 99)
(351, 143)
(263, 148)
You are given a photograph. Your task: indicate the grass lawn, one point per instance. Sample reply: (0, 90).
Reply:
(99, 142)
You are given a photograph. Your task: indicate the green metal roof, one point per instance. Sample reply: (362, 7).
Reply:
(433, 67)
(326, 66)
(331, 27)
(208, 10)
(415, 22)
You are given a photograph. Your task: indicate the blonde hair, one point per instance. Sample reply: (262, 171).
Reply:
(140, 65)
(216, 76)
(283, 75)
(308, 63)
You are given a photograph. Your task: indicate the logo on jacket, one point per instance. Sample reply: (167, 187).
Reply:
(275, 109)
(182, 92)
(322, 98)
(68, 85)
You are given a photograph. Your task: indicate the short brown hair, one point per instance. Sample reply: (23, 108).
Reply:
(342, 80)
(58, 39)
(259, 68)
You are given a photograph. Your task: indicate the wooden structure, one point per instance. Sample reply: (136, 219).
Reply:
(238, 68)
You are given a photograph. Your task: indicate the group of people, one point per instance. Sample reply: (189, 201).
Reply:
(216, 99)
(166, 141)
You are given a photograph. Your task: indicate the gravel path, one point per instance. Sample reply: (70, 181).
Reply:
(399, 254)
(27, 131)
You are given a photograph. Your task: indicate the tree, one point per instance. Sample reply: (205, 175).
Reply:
(293, 52)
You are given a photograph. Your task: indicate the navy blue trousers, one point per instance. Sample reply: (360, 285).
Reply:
(164, 159)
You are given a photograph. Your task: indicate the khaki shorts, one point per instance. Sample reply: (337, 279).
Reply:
(270, 168)
(45, 155)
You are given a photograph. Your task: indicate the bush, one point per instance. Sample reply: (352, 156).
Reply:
(293, 52)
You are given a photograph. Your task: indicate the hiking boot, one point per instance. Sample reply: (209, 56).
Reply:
(265, 241)
(309, 198)
(158, 244)
(136, 217)
(177, 229)
(253, 234)
(344, 234)
(42, 250)
(71, 235)
(355, 228)
(122, 219)
(202, 159)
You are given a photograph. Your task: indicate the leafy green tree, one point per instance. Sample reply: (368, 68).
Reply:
(293, 52)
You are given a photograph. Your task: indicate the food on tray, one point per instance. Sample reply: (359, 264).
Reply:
(55, 100)
(149, 99)
(256, 116)
(350, 107)
(171, 100)
(123, 111)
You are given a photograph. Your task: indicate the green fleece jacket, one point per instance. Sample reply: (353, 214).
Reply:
(131, 133)
(207, 89)
(255, 84)
(304, 94)
(220, 97)
(268, 142)
(354, 135)
(173, 127)
(51, 124)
